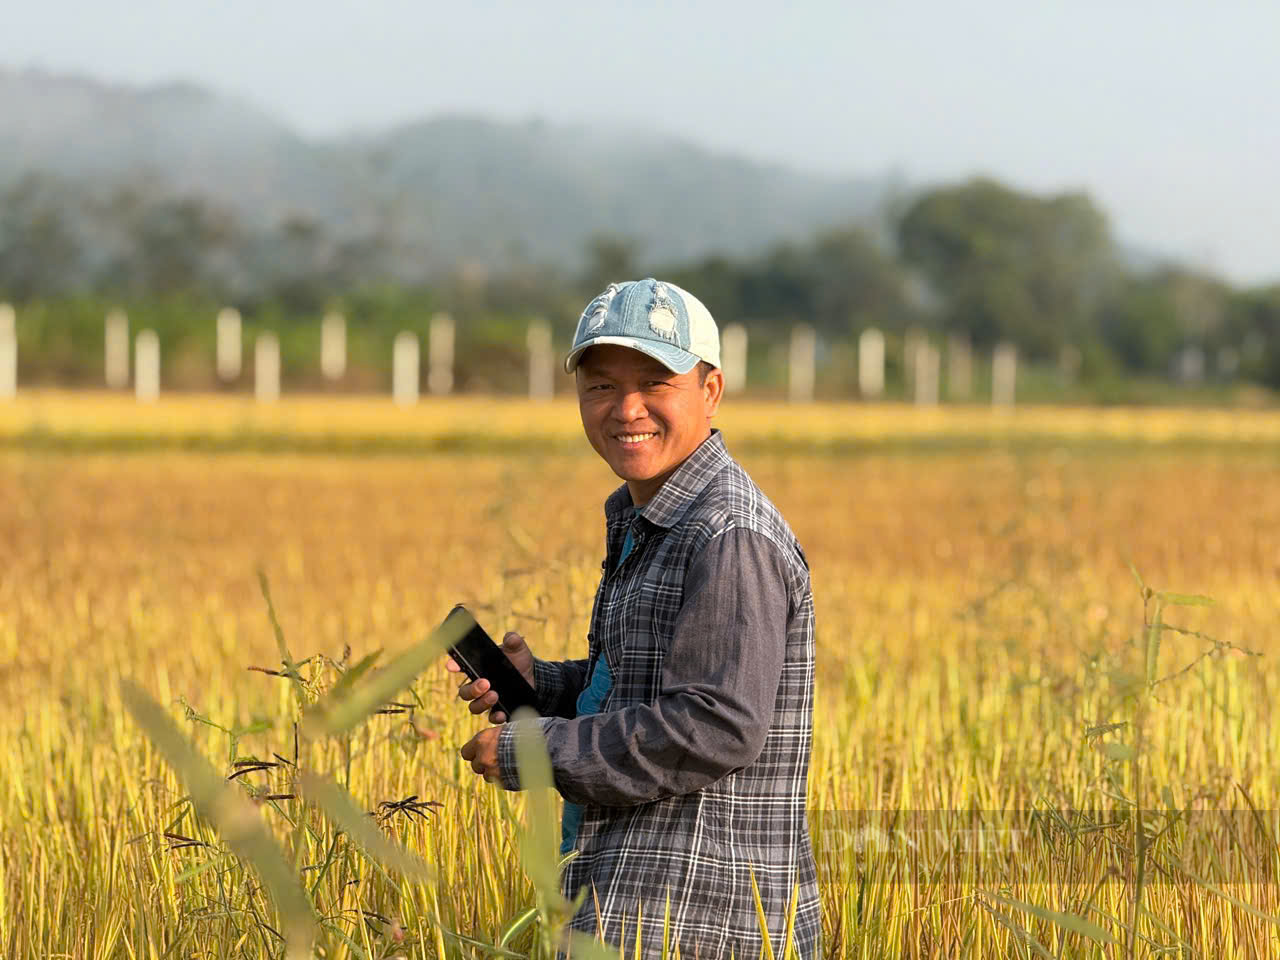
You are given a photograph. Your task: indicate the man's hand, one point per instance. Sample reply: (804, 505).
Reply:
(479, 694)
(482, 751)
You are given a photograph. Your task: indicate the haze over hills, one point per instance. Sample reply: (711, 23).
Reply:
(438, 191)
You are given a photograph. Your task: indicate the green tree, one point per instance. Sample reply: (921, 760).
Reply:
(1011, 265)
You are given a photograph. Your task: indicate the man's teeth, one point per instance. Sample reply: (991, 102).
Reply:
(635, 437)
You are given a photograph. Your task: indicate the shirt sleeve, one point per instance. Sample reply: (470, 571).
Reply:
(557, 684)
(719, 682)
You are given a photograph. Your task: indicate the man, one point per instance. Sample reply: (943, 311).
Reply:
(681, 743)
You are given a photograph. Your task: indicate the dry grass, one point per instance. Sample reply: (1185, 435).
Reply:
(974, 613)
(752, 424)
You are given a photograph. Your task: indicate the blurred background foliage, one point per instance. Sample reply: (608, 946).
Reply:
(978, 258)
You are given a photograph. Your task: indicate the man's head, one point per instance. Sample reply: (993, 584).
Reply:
(646, 356)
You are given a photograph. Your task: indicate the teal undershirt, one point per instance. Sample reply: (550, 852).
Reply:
(589, 701)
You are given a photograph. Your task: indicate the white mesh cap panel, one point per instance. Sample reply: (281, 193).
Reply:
(704, 335)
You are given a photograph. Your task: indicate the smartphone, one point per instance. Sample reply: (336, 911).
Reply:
(478, 656)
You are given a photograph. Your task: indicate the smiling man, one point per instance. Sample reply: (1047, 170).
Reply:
(681, 742)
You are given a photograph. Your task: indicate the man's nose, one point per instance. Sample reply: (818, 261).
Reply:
(630, 406)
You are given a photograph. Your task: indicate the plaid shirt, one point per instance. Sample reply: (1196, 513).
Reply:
(694, 773)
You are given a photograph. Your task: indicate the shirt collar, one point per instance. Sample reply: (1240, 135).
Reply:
(679, 491)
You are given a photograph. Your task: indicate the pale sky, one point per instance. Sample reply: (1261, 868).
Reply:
(1167, 112)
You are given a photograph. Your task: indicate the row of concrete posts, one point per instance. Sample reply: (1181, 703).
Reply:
(921, 360)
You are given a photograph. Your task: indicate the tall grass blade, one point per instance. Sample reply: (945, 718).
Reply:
(341, 710)
(1186, 599)
(1219, 892)
(518, 926)
(1021, 935)
(291, 668)
(234, 817)
(342, 809)
(538, 836)
(1066, 921)
(1153, 640)
(761, 919)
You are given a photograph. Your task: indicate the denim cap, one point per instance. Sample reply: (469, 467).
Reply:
(658, 319)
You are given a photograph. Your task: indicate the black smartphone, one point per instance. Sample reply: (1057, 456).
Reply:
(478, 656)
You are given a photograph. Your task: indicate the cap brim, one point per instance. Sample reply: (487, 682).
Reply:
(667, 354)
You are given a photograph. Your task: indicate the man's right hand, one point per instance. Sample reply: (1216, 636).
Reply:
(480, 698)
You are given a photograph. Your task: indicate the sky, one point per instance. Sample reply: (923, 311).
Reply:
(1165, 112)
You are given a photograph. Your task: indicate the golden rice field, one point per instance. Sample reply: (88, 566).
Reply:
(979, 632)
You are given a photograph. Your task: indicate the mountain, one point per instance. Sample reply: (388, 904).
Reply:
(442, 190)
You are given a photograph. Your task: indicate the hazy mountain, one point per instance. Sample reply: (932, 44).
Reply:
(437, 191)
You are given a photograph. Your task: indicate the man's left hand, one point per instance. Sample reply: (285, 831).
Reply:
(482, 751)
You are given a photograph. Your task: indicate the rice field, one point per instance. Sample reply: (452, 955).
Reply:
(986, 656)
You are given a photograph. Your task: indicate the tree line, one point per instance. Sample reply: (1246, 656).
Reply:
(977, 258)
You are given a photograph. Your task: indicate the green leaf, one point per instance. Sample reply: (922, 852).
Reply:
(341, 710)
(1066, 921)
(1101, 728)
(349, 677)
(538, 837)
(340, 807)
(1185, 599)
(1153, 641)
(585, 947)
(234, 817)
(1119, 751)
(194, 871)
(517, 926)
(486, 947)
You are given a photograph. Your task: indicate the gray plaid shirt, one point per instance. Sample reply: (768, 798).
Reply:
(694, 773)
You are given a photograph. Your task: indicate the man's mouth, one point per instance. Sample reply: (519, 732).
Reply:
(631, 439)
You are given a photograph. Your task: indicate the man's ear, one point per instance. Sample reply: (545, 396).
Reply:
(712, 391)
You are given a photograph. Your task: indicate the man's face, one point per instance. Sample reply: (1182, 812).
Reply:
(640, 417)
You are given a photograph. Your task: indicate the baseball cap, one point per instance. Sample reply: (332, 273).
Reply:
(657, 318)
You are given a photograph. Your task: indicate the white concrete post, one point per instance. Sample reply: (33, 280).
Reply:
(1004, 374)
(959, 367)
(928, 366)
(228, 350)
(405, 369)
(146, 366)
(911, 342)
(733, 357)
(116, 350)
(8, 352)
(542, 362)
(1189, 364)
(266, 368)
(871, 363)
(333, 346)
(440, 355)
(803, 355)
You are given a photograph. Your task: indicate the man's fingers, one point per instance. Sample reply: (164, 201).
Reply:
(452, 665)
(497, 716)
(476, 688)
(482, 703)
(512, 641)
